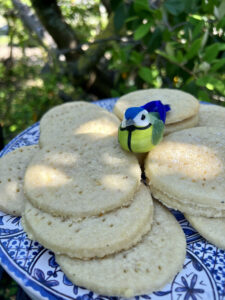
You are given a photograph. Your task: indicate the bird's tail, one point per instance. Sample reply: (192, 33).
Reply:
(159, 107)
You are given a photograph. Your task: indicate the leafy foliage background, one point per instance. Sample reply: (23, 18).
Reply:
(171, 43)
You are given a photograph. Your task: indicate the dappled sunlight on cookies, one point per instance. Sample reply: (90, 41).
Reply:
(197, 162)
(186, 171)
(66, 179)
(13, 166)
(47, 177)
(111, 182)
(11, 189)
(60, 158)
(109, 159)
(99, 125)
(97, 236)
(70, 119)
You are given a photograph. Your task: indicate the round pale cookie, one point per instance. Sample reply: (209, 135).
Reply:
(94, 236)
(145, 268)
(186, 171)
(183, 105)
(212, 229)
(187, 123)
(211, 115)
(73, 118)
(86, 176)
(12, 169)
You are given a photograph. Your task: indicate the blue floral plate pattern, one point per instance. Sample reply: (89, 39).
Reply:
(35, 269)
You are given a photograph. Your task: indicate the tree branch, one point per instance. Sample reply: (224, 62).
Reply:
(51, 17)
(101, 41)
(31, 22)
(95, 51)
(82, 69)
(180, 66)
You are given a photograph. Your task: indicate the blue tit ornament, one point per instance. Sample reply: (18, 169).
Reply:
(142, 127)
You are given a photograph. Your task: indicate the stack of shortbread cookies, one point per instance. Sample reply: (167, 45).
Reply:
(81, 195)
(187, 172)
(211, 115)
(184, 107)
(86, 202)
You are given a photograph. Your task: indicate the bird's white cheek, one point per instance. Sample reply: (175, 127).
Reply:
(141, 123)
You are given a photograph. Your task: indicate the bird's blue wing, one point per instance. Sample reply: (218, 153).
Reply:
(157, 106)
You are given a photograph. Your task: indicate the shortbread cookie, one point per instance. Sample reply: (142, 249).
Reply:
(187, 123)
(184, 107)
(211, 115)
(94, 236)
(212, 229)
(145, 268)
(186, 171)
(72, 118)
(86, 176)
(12, 169)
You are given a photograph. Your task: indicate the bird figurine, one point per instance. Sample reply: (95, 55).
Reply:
(142, 127)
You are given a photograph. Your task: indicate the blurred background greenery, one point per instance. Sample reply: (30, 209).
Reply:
(53, 51)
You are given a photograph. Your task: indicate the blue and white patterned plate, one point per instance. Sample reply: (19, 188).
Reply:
(35, 269)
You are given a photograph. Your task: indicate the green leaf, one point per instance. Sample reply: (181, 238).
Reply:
(217, 64)
(115, 4)
(136, 57)
(205, 38)
(140, 5)
(115, 93)
(203, 67)
(190, 6)
(155, 39)
(124, 55)
(13, 128)
(168, 57)
(220, 10)
(221, 23)
(219, 85)
(141, 31)
(166, 35)
(194, 49)
(175, 7)
(196, 17)
(180, 57)
(170, 49)
(212, 51)
(133, 18)
(211, 83)
(203, 96)
(146, 74)
(198, 29)
(120, 16)
(208, 6)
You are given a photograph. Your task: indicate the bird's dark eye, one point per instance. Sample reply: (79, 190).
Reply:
(143, 117)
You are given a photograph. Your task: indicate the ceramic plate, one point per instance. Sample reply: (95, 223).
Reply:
(35, 269)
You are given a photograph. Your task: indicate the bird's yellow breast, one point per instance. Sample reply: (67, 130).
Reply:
(137, 140)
